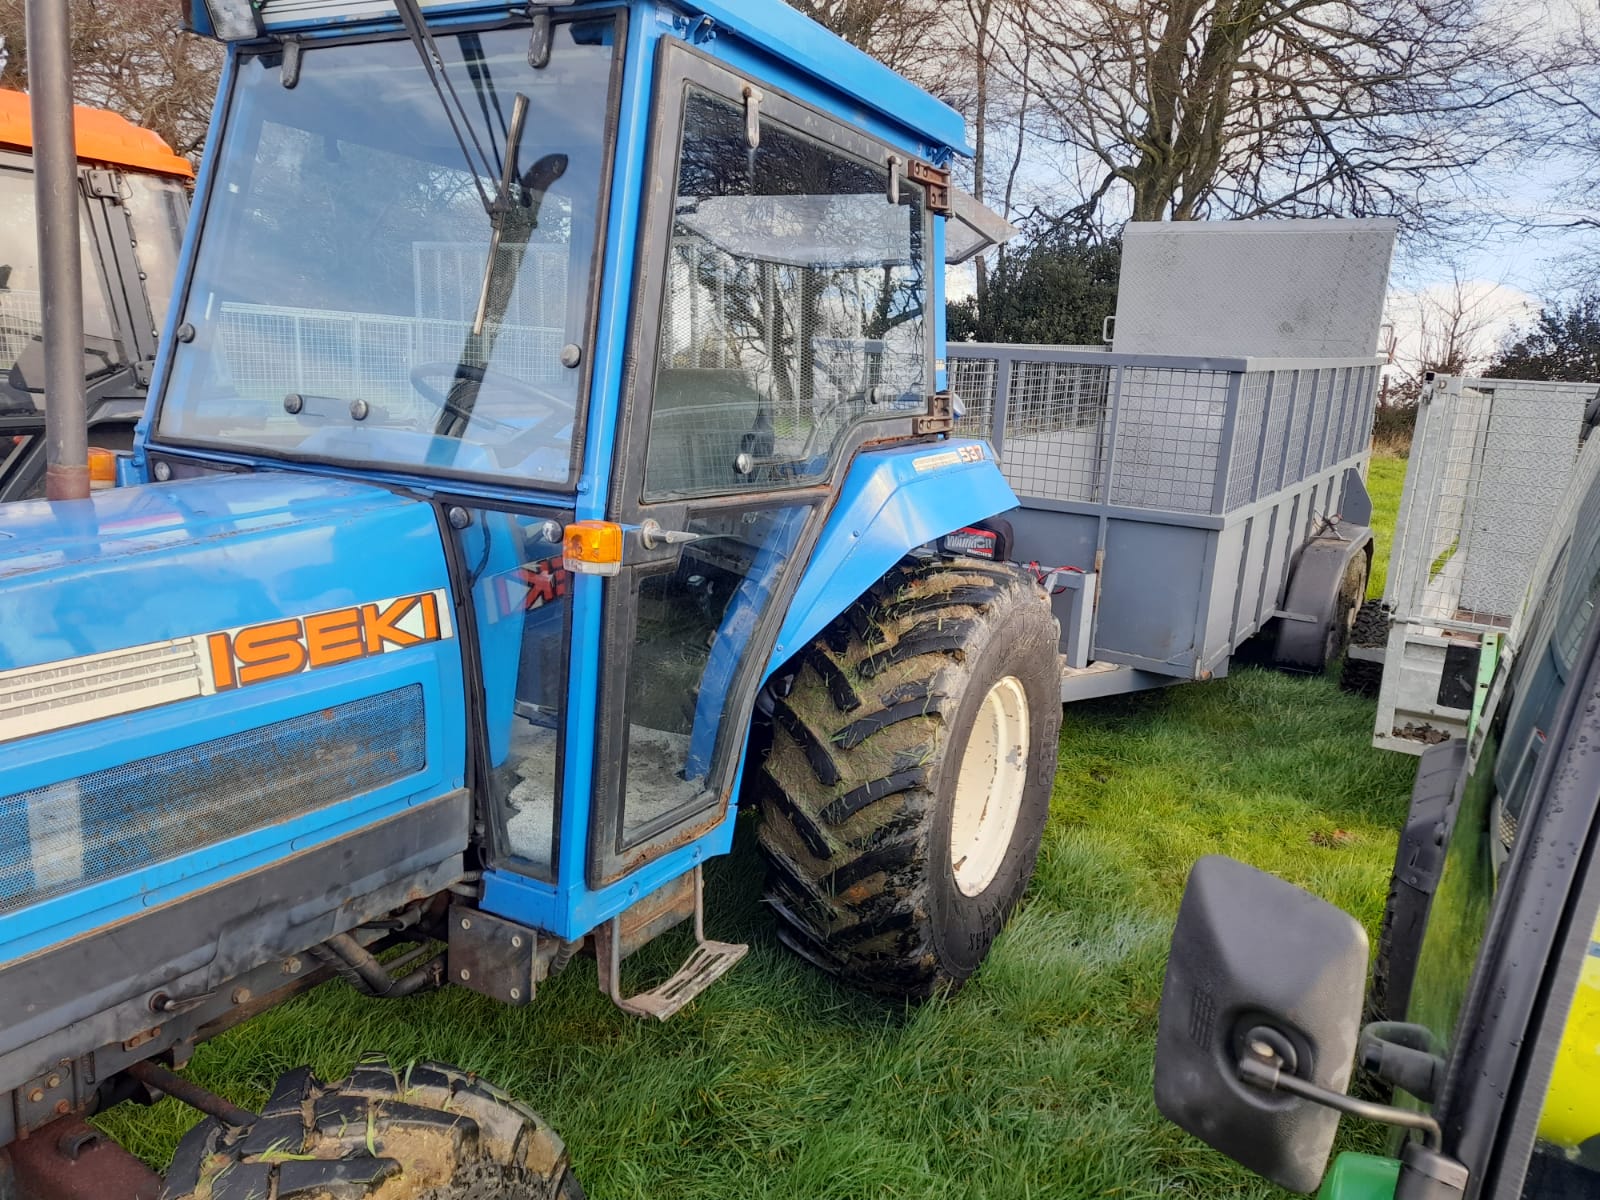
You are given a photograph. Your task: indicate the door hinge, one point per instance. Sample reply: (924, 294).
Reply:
(936, 180)
(104, 185)
(940, 417)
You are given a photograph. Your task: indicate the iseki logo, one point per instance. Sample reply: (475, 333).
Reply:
(275, 649)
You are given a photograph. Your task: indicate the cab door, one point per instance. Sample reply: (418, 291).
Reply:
(781, 322)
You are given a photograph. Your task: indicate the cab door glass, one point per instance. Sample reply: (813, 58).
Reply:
(158, 210)
(1566, 1154)
(696, 620)
(521, 600)
(794, 307)
(1496, 796)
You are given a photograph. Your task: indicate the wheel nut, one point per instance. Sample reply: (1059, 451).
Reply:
(63, 1107)
(54, 1081)
(36, 1096)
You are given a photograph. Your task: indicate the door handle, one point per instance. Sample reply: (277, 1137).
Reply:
(653, 537)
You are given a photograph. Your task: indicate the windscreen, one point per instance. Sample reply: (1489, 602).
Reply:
(363, 295)
(21, 313)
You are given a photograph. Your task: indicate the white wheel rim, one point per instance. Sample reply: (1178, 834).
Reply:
(989, 787)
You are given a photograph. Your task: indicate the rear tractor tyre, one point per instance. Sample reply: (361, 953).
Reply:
(1371, 631)
(910, 774)
(427, 1133)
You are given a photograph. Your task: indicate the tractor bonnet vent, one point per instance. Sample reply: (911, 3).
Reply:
(82, 831)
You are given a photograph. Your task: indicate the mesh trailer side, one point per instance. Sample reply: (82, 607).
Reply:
(1169, 438)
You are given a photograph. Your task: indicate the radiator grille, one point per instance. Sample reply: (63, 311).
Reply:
(96, 827)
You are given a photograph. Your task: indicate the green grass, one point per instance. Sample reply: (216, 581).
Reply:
(1034, 1081)
(1385, 479)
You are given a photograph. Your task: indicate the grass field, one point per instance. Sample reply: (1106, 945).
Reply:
(1034, 1081)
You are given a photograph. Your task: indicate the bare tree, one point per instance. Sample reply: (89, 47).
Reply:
(1453, 327)
(904, 34)
(1568, 143)
(133, 57)
(1244, 108)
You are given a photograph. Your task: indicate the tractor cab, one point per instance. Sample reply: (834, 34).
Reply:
(133, 203)
(623, 292)
(549, 435)
(537, 387)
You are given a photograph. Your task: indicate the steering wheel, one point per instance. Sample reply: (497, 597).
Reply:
(553, 406)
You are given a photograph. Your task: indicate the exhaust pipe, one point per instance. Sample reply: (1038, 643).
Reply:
(55, 190)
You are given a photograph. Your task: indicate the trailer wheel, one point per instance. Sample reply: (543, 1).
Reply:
(1363, 676)
(909, 777)
(1328, 590)
(427, 1133)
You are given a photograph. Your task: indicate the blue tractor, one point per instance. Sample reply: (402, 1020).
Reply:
(549, 448)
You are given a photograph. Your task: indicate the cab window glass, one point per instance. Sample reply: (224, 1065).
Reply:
(1498, 792)
(158, 210)
(794, 307)
(21, 317)
(1566, 1155)
(521, 597)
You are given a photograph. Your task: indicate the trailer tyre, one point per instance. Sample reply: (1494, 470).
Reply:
(1363, 676)
(909, 777)
(429, 1132)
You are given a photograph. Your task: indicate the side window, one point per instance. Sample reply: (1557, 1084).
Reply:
(1558, 619)
(1497, 796)
(1566, 1156)
(795, 307)
(21, 314)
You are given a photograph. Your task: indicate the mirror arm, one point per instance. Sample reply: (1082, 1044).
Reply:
(1267, 1074)
(1403, 1056)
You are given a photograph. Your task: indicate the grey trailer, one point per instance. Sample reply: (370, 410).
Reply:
(1178, 505)
(1203, 478)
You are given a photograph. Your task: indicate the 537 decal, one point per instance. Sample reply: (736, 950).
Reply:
(274, 649)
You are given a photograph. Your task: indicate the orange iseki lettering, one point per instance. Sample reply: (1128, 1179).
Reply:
(382, 625)
(221, 651)
(334, 637)
(269, 651)
(430, 617)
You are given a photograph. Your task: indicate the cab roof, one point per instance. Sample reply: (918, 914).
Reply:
(770, 26)
(105, 138)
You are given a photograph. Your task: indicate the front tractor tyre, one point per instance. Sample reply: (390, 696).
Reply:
(910, 773)
(429, 1132)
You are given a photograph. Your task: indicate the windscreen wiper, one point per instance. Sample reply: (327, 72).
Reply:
(502, 201)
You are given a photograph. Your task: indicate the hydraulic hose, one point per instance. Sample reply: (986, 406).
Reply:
(366, 974)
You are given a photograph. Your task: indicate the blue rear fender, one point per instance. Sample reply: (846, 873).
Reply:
(892, 501)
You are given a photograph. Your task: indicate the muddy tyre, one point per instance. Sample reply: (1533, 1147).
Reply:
(1346, 606)
(430, 1132)
(906, 789)
(1370, 630)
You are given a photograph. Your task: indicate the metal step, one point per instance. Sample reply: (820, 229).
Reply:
(708, 962)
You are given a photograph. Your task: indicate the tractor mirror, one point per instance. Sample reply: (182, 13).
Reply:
(1258, 966)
